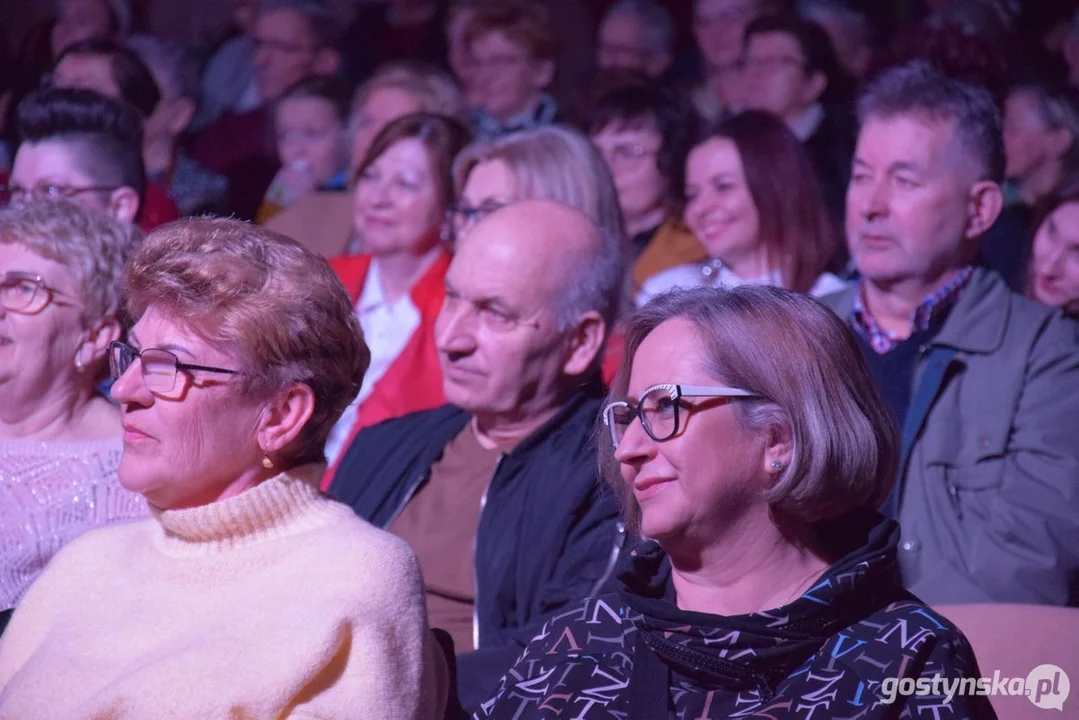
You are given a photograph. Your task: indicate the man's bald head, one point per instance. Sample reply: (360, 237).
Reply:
(560, 251)
(530, 297)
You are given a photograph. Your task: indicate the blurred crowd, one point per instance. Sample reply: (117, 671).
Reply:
(534, 358)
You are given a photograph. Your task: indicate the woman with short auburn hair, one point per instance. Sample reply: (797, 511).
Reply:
(750, 450)
(401, 192)
(60, 273)
(244, 351)
(754, 203)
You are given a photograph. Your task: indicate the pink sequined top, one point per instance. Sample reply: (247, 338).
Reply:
(50, 493)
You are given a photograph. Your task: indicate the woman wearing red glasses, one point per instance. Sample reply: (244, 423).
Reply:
(59, 438)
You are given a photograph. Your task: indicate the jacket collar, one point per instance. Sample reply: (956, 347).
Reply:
(978, 320)
(579, 409)
(976, 323)
(763, 647)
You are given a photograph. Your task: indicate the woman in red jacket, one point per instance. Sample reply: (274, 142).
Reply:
(401, 192)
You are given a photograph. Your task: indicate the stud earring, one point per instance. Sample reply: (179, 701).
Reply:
(79, 366)
(776, 465)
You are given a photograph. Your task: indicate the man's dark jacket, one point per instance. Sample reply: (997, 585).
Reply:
(548, 532)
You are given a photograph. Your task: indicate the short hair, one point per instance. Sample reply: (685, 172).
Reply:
(108, 132)
(812, 378)
(93, 246)
(659, 31)
(596, 284)
(553, 162)
(435, 89)
(525, 23)
(173, 67)
(134, 80)
(919, 90)
(796, 231)
(276, 305)
(321, 87)
(321, 21)
(442, 136)
(646, 104)
(1058, 107)
(813, 42)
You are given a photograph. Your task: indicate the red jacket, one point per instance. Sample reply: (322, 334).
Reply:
(413, 382)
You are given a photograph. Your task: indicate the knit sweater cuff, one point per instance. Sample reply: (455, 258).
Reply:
(283, 505)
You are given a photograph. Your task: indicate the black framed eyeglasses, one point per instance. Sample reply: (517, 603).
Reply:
(17, 194)
(461, 217)
(660, 410)
(159, 367)
(28, 294)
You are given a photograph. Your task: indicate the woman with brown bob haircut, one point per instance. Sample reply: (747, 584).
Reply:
(401, 192)
(754, 203)
(232, 599)
(750, 450)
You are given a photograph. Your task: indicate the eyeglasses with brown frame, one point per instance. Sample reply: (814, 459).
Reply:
(28, 294)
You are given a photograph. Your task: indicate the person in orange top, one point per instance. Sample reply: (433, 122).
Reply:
(402, 192)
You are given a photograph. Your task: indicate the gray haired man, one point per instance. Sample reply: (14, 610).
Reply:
(984, 383)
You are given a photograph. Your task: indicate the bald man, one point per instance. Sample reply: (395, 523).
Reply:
(498, 492)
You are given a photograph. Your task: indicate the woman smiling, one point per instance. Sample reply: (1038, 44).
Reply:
(60, 272)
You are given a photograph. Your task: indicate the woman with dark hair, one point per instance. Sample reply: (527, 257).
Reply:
(749, 447)
(1053, 277)
(644, 132)
(402, 190)
(753, 200)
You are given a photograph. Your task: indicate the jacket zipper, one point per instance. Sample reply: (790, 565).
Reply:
(475, 568)
(408, 496)
(616, 550)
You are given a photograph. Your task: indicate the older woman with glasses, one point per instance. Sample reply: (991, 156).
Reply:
(232, 599)
(402, 191)
(748, 444)
(60, 270)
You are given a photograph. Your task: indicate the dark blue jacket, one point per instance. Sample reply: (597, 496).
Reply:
(548, 532)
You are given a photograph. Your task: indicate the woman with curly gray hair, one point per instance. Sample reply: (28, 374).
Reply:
(60, 269)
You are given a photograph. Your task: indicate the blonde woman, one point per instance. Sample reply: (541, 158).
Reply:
(323, 221)
(554, 162)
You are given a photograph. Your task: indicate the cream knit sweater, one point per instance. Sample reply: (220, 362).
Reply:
(276, 603)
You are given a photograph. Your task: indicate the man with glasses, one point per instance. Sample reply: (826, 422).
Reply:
(293, 39)
(79, 145)
(791, 70)
(498, 493)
